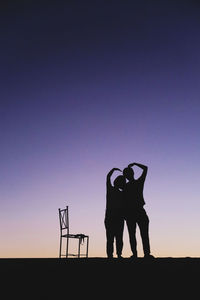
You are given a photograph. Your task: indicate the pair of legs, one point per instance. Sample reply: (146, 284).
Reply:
(140, 217)
(114, 231)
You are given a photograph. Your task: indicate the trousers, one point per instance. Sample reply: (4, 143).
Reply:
(114, 231)
(141, 219)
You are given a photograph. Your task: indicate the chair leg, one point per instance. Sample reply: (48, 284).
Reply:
(60, 250)
(79, 247)
(87, 246)
(67, 247)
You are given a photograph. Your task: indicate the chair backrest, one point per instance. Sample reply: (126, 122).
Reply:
(64, 218)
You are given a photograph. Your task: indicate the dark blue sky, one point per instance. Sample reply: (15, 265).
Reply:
(86, 86)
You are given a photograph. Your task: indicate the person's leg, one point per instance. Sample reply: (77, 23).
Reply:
(131, 225)
(119, 237)
(143, 223)
(109, 244)
(109, 239)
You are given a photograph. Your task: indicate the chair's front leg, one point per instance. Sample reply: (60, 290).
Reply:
(87, 246)
(79, 247)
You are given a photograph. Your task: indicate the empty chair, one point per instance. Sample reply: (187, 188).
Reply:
(65, 233)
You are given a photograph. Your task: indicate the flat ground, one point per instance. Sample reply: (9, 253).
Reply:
(99, 277)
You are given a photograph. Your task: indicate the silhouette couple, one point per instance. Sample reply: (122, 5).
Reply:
(124, 203)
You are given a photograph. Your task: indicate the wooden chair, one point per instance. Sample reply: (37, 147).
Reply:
(65, 233)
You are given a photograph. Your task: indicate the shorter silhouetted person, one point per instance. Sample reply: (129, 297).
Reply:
(134, 210)
(114, 218)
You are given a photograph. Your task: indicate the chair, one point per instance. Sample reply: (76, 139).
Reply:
(64, 233)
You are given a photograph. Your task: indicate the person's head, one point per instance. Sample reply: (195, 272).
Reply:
(120, 182)
(128, 173)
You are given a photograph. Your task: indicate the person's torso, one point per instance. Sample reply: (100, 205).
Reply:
(114, 202)
(133, 194)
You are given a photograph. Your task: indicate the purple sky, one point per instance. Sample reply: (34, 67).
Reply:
(88, 86)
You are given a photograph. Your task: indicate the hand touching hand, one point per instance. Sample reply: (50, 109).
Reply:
(131, 165)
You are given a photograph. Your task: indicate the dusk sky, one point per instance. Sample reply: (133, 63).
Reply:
(91, 85)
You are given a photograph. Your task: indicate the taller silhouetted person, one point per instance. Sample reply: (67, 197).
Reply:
(114, 218)
(134, 210)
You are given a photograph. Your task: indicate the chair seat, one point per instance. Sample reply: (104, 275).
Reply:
(76, 236)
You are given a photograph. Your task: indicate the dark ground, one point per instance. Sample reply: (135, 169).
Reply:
(98, 277)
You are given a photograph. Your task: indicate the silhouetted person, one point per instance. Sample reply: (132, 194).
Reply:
(134, 211)
(114, 219)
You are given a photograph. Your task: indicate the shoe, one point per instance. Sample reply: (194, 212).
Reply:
(133, 257)
(120, 257)
(149, 256)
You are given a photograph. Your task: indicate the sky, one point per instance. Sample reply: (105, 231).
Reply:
(91, 85)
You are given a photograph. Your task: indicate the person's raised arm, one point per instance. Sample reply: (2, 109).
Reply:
(143, 167)
(108, 181)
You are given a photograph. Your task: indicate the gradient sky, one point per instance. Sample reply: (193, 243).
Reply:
(91, 85)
